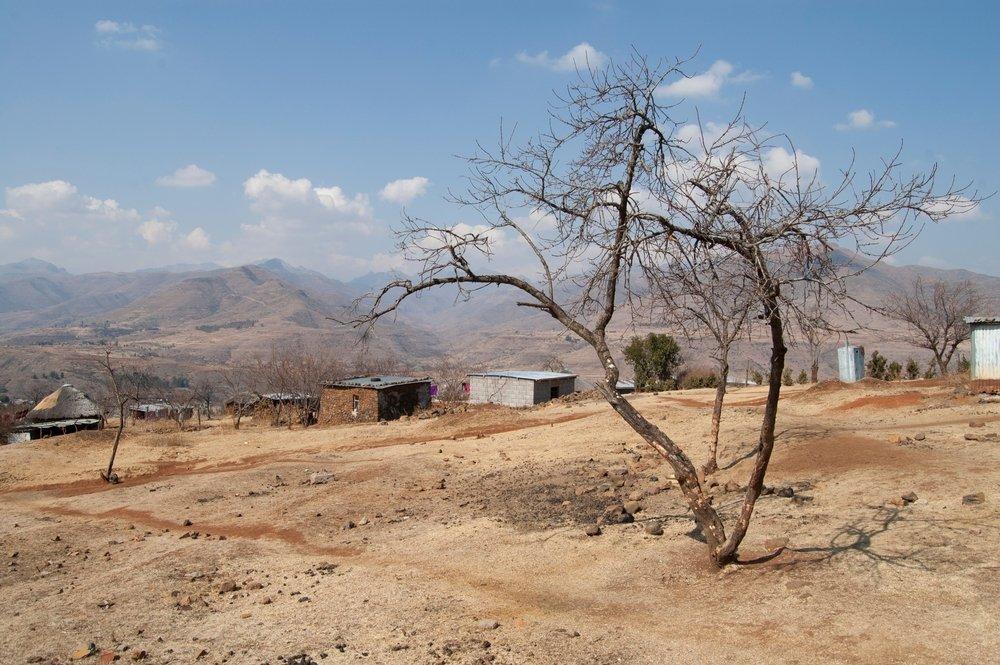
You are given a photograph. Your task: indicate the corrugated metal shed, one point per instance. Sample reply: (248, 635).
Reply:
(851, 363)
(985, 359)
(525, 374)
(376, 382)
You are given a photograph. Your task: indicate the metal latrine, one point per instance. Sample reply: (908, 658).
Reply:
(984, 362)
(851, 363)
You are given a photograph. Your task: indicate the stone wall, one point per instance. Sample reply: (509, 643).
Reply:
(336, 405)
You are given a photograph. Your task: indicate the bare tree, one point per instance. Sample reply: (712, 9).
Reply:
(450, 377)
(122, 391)
(618, 182)
(704, 291)
(815, 328)
(934, 313)
(239, 390)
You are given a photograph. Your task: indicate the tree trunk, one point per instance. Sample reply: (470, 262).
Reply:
(814, 371)
(942, 363)
(705, 515)
(114, 447)
(720, 395)
(727, 552)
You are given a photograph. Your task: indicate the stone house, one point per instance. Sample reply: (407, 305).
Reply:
(373, 398)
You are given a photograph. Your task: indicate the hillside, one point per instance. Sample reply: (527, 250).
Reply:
(184, 321)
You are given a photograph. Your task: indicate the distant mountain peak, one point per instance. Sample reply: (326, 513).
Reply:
(31, 266)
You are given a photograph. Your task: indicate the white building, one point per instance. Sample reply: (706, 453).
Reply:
(519, 388)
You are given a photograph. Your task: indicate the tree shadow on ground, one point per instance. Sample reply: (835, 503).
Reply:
(861, 538)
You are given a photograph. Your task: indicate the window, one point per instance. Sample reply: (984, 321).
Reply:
(356, 404)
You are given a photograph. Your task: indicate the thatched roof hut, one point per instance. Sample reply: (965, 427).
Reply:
(66, 403)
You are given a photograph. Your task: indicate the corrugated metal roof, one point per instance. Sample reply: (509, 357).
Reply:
(982, 319)
(531, 375)
(23, 427)
(376, 382)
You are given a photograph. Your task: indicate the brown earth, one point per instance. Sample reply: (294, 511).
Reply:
(479, 516)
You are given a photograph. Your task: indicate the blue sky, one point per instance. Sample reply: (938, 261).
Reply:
(297, 115)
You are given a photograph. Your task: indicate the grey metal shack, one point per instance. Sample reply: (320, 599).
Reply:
(519, 388)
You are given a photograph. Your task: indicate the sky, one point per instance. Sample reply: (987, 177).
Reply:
(142, 134)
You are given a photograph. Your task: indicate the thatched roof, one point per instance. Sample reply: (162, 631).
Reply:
(66, 403)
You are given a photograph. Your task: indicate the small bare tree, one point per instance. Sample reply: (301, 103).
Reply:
(814, 328)
(238, 389)
(934, 313)
(706, 293)
(620, 182)
(122, 391)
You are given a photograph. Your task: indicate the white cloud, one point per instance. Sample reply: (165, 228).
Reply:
(128, 36)
(197, 240)
(405, 190)
(934, 262)
(782, 165)
(581, 57)
(863, 119)
(707, 84)
(957, 208)
(273, 193)
(157, 231)
(191, 175)
(800, 80)
(58, 200)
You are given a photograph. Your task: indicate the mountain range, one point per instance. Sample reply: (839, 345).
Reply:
(182, 320)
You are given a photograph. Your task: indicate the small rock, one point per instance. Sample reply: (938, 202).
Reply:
(616, 514)
(593, 530)
(909, 497)
(229, 587)
(731, 486)
(187, 523)
(654, 528)
(974, 499)
(766, 490)
(85, 652)
(637, 495)
(349, 525)
(919, 436)
(320, 478)
(785, 492)
(488, 624)
(632, 507)
(969, 436)
(977, 423)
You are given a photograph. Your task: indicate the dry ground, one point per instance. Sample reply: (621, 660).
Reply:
(469, 519)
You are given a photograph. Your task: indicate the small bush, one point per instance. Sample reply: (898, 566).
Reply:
(699, 378)
(912, 369)
(803, 377)
(786, 378)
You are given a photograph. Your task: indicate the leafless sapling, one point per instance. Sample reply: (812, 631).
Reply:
(933, 313)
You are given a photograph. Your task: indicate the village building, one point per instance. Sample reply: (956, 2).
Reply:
(275, 408)
(984, 362)
(159, 410)
(519, 388)
(65, 411)
(373, 398)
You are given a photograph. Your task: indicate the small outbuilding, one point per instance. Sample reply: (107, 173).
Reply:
(851, 363)
(65, 411)
(519, 388)
(160, 410)
(373, 398)
(984, 362)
